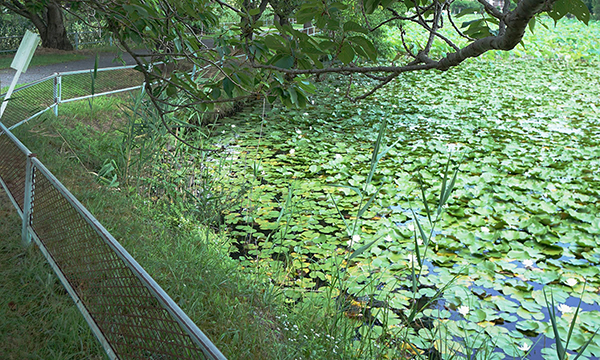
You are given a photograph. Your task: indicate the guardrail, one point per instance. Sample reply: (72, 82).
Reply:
(32, 100)
(130, 314)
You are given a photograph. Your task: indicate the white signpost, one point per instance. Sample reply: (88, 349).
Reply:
(21, 62)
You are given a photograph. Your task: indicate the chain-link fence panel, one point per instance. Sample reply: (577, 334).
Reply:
(10, 44)
(86, 39)
(13, 162)
(29, 100)
(126, 311)
(75, 85)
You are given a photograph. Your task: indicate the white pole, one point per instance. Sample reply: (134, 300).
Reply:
(20, 63)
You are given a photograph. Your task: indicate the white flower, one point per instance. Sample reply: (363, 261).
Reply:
(355, 239)
(565, 309)
(463, 310)
(528, 263)
(292, 151)
(524, 347)
(571, 282)
(337, 90)
(412, 259)
(306, 114)
(232, 125)
(419, 241)
(485, 230)
(298, 131)
(338, 157)
(388, 238)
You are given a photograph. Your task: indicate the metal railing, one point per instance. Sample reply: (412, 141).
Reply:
(130, 314)
(79, 39)
(34, 99)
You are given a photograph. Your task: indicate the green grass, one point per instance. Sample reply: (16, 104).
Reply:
(38, 319)
(44, 59)
(241, 313)
(526, 191)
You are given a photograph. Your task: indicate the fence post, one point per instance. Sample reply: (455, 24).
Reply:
(28, 201)
(57, 92)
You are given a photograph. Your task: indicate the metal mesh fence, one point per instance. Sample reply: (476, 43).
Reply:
(29, 100)
(33, 99)
(12, 168)
(10, 43)
(75, 85)
(130, 314)
(79, 40)
(126, 312)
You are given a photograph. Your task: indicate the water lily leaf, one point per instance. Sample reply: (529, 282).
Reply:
(537, 228)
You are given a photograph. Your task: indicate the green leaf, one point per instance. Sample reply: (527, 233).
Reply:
(361, 249)
(353, 26)
(305, 14)
(371, 5)
(355, 189)
(469, 10)
(274, 42)
(575, 7)
(532, 24)
(580, 10)
(346, 54)
(171, 90)
(228, 86)
(366, 45)
(215, 93)
(366, 206)
(285, 62)
(293, 96)
(560, 350)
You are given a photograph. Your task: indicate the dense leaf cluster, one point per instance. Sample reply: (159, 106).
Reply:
(253, 59)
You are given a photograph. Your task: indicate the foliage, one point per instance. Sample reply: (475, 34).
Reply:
(278, 65)
(12, 24)
(594, 7)
(567, 40)
(459, 6)
(242, 313)
(522, 215)
(47, 17)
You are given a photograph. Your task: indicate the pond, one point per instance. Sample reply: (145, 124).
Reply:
(522, 216)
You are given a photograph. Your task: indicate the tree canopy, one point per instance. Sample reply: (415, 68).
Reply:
(47, 17)
(251, 59)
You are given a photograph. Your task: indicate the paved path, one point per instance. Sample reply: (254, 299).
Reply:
(39, 72)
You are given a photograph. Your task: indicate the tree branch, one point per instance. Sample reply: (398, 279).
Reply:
(457, 29)
(490, 9)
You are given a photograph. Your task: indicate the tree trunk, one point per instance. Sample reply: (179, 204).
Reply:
(54, 34)
(49, 23)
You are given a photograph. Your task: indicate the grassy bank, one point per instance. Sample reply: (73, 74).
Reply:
(244, 316)
(38, 319)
